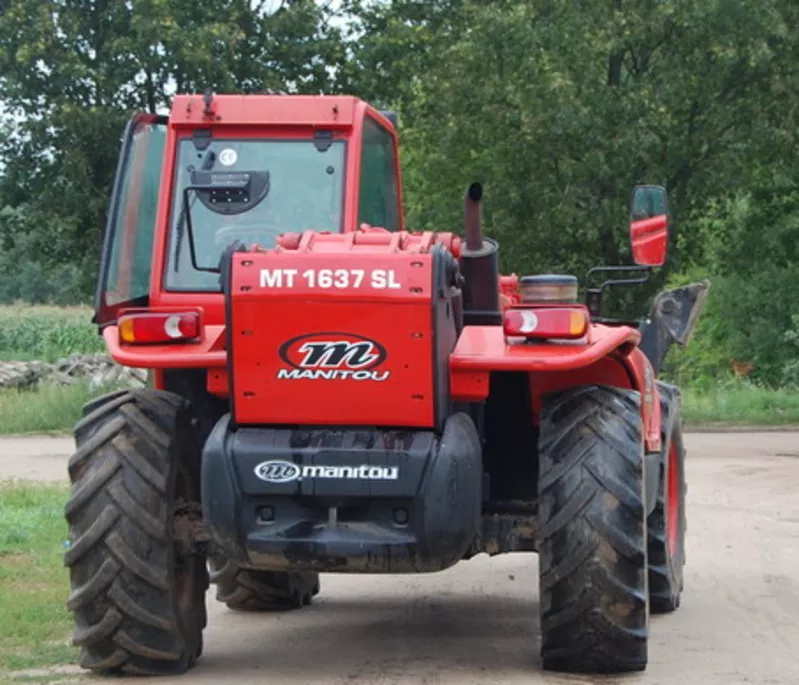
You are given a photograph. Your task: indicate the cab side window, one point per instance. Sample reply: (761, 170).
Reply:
(131, 226)
(379, 191)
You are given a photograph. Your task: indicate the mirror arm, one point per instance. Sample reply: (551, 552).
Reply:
(593, 300)
(620, 269)
(594, 296)
(625, 281)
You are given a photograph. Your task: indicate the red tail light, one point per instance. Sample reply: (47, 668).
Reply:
(546, 322)
(159, 327)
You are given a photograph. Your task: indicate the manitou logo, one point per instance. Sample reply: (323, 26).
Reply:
(278, 471)
(281, 471)
(332, 356)
(336, 355)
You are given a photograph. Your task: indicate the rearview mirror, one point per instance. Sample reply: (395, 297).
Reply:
(649, 225)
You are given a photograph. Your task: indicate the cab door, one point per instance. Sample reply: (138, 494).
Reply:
(126, 262)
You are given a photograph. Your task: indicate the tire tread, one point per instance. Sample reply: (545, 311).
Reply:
(254, 590)
(125, 614)
(592, 541)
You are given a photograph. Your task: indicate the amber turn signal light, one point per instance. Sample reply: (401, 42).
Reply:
(158, 327)
(545, 322)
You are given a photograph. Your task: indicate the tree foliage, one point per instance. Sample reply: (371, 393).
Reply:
(561, 107)
(558, 107)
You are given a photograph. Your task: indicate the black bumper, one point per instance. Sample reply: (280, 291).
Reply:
(354, 501)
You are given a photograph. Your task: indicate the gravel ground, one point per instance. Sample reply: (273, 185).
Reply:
(478, 622)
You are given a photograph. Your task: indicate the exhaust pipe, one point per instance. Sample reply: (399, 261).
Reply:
(479, 265)
(473, 217)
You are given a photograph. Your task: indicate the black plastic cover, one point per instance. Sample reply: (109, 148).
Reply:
(353, 501)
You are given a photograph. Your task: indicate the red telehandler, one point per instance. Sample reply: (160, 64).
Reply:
(331, 393)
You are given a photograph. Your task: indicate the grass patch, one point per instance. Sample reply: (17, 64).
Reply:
(46, 333)
(34, 584)
(740, 404)
(48, 409)
(56, 409)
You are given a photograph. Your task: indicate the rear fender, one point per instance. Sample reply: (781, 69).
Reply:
(608, 356)
(631, 371)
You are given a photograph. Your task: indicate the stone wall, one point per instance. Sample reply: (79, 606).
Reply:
(98, 370)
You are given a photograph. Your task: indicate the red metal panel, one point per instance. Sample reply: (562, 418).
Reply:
(207, 353)
(350, 345)
(340, 276)
(631, 371)
(269, 110)
(469, 386)
(216, 382)
(485, 348)
(611, 370)
(645, 383)
(609, 358)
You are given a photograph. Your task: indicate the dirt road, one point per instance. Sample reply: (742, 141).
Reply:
(478, 622)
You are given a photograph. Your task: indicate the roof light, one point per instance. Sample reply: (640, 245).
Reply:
(549, 289)
(158, 327)
(545, 322)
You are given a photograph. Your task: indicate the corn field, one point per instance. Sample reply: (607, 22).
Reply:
(47, 334)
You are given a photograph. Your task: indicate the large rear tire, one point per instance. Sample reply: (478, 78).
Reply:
(244, 589)
(138, 584)
(667, 523)
(592, 533)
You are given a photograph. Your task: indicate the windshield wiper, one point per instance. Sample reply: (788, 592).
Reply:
(225, 193)
(207, 165)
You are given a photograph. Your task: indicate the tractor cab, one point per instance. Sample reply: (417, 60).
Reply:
(226, 169)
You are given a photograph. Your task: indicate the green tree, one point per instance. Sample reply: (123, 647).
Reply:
(752, 249)
(561, 107)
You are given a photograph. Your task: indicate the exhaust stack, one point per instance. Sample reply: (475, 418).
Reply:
(473, 217)
(479, 265)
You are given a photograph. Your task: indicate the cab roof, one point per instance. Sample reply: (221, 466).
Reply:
(329, 111)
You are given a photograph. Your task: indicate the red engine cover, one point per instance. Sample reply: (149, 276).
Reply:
(331, 339)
